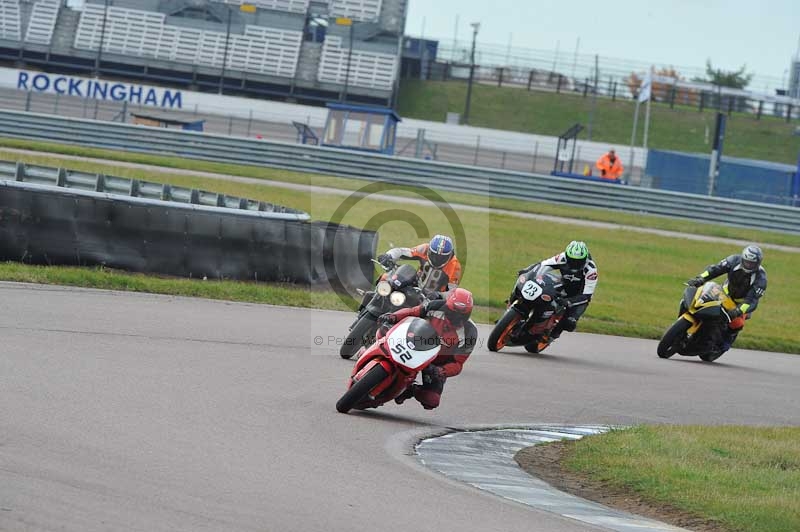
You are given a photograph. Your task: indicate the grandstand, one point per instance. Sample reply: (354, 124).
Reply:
(288, 49)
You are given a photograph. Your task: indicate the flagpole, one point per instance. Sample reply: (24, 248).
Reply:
(633, 137)
(647, 112)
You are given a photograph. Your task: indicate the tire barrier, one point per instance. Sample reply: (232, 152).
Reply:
(49, 225)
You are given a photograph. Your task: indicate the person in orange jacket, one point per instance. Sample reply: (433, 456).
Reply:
(610, 166)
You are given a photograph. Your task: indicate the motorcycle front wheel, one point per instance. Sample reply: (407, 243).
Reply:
(366, 326)
(672, 339)
(502, 329)
(359, 390)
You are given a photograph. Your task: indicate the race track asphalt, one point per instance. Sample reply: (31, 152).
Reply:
(123, 411)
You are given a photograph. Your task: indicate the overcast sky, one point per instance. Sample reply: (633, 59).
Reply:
(761, 34)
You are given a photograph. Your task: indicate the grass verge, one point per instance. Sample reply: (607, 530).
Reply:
(271, 174)
(681, 128)
(640, 274)
(742, 478)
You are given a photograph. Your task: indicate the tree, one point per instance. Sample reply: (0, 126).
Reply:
(663, 91)
(634, 83)
(735, 79)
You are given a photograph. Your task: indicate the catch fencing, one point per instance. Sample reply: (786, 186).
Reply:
(481, 181)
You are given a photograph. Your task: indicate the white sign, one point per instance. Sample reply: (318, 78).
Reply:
(94, 89)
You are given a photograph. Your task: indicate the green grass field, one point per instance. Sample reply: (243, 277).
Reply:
(270, 174)
(745, 479)
(681, 128)
(640, 274)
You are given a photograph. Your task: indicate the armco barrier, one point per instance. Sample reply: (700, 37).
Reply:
(61, 177)
(499, 184)
(42, 224)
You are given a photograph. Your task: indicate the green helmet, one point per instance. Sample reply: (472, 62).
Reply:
(577, 252)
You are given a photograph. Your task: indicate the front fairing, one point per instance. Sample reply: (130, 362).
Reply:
(405, 275)
(537, 293)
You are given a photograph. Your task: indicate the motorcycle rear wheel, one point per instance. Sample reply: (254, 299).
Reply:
(359, 390)
(672, 339)
(499, 335)
(355, 338)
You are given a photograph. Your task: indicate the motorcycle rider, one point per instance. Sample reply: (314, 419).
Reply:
(440, 269)
(457, 334)
(746, 283)
(579, 278)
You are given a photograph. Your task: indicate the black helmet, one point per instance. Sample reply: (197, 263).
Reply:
(751, 258)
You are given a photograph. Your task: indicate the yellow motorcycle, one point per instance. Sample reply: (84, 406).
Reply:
(702, 321)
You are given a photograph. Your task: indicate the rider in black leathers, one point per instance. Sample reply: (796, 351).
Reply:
(746, 283)
(579, 278)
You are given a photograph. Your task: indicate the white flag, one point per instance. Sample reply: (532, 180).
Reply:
(645, 89)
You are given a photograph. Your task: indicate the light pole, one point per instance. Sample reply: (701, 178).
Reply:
(102, 38)
(344, 21)
(225, 54)
(475, 27)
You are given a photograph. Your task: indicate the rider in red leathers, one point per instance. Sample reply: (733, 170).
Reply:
(458, 336)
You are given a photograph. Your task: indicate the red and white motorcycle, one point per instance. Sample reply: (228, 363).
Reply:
(390, 365)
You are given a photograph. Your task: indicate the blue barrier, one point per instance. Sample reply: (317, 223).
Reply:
(742, 179)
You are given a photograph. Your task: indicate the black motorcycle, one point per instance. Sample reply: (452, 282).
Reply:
(534, 309)
(397, 288)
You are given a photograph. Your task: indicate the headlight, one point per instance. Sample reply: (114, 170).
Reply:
(384, 289)
(397, 298)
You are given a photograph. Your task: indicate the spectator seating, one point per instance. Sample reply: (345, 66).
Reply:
(10, 20)
(367, 69)
(292, 6)
(42, 21)
(134, 32)
(363, 10)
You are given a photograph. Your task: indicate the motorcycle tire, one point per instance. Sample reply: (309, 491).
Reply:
(709, 357)
(669, 343)
(366, 326)
(499, 335)
(359, 390)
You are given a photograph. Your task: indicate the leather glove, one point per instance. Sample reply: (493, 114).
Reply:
(433, 295)
(387, 319)
(696, 281)
(734, 313)
(433, 374)
(386, 260)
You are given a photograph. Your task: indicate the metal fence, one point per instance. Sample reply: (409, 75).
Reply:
(566, 72)
(481, 181)
(669, 91)
(469, 148)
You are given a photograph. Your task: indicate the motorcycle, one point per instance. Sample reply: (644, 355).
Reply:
(702, 320)
(534, 309)
(390, 365)
(396, 288)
